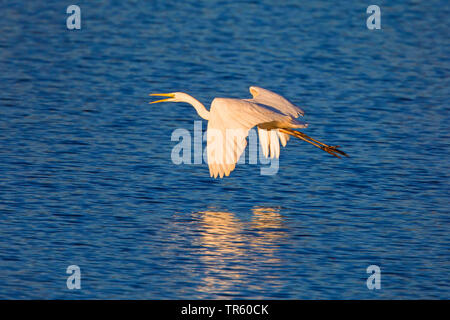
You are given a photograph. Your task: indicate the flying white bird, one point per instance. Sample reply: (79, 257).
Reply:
(229, 121)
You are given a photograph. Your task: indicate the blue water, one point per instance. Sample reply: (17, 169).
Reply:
(85, 162)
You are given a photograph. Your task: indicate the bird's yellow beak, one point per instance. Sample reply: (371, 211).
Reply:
(170, 95)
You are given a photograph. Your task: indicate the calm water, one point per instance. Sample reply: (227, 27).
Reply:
(87, 177)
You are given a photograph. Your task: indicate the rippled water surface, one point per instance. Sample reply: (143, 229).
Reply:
(86, 175)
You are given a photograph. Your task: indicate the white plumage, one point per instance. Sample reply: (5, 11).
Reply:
(229, 122)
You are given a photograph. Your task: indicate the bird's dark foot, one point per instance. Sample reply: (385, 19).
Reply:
(335, 149)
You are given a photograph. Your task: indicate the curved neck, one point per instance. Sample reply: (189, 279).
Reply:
(199, 107)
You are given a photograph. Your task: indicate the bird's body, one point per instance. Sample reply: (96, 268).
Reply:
(229, 121)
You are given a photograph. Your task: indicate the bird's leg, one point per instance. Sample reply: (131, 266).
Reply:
(333, 150)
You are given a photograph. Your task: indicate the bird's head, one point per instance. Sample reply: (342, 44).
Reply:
(172, 97)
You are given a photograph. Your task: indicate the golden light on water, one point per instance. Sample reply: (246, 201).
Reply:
(228, 243)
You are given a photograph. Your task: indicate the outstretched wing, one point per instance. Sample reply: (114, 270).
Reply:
(269, 140)
(269, 98)
(229, 123)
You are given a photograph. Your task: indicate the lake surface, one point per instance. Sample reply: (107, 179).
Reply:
(87, 179)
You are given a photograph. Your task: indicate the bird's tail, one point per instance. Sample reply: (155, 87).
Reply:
(333, 150)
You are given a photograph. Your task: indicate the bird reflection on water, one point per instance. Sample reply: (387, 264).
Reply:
(233, 250)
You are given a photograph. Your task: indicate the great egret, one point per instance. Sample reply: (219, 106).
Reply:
(229, 121)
